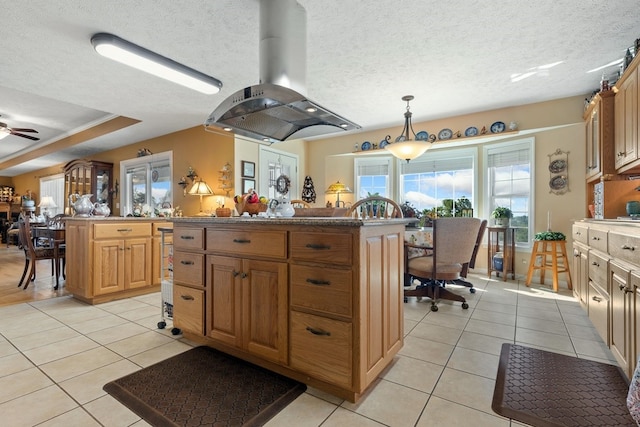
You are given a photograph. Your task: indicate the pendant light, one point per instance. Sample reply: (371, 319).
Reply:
(405, 147)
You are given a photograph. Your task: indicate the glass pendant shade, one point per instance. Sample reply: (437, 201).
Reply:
(406, 146)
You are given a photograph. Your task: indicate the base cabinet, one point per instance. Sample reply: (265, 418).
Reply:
(110, 258)
(314, 299)
(581, 273)
(612, 283)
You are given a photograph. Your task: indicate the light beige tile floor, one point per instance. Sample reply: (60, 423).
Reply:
(56, 354)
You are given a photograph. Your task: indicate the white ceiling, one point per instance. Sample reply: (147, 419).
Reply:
(455, 57)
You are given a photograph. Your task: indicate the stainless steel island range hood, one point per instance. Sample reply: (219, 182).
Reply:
(278, 108)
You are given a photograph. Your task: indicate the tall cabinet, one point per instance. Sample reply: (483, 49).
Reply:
(83, 176)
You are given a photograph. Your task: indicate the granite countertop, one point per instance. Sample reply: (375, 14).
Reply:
(341, 221)
(116, 218)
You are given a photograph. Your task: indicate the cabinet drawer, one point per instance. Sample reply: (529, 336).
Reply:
(188, 309)
(580, 233)
(599, 311)
(598, 239)
(122, 230)
(323, 289)
(188, 238)
(333, 248)
(598, 269)
(188, 268)
(261, 243)
(625, 247)
(321, 348)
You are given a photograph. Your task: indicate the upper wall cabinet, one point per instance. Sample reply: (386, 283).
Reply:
(599, 136)
(627, 120)
(89, 177)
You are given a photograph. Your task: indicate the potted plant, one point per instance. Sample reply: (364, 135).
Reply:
(501, 216)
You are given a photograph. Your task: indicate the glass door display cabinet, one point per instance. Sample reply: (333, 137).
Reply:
(88, 177)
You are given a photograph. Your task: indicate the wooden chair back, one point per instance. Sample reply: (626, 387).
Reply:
(375, 207)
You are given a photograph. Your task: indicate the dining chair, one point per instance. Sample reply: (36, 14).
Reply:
(34, 253)
(375, 207)
(300, 204)
(454, 240)
(472, 262)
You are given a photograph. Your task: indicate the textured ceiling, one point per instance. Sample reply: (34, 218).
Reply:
(455, 57)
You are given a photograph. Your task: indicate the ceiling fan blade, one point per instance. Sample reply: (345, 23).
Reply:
(24, 130)
(33, 138)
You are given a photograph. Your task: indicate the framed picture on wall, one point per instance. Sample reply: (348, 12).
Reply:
(248, 169)
(248, 184)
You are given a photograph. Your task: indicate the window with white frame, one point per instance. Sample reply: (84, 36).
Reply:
(509, 183)
(146, 184)
(373, 177)
(441, 182)
(53, 186)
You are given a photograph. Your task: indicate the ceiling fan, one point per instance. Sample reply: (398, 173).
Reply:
(6, 131)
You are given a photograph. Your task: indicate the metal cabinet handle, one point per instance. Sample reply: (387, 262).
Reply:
(596, 299)
(122, 230)
(187, 297)
(187, 237)
(595, 263)
(318, 331)
(244, 275)
(317, 247)
(620, 153)
(235, 273)
(578, 233)
(629, 248)
(595, 238)
(186, 262)
(241, 241)
(627, 290)
(318, 282)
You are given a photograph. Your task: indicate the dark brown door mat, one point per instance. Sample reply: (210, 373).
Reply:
(205, 387)
(542, 389)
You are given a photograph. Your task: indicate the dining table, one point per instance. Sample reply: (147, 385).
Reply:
(56, 237)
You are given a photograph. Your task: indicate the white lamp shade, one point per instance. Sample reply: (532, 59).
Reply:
(47, 202)
(200, 188)
(408, 150)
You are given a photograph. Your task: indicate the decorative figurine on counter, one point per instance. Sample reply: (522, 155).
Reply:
(308, 191)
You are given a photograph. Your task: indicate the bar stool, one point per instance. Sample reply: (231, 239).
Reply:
(557, 252)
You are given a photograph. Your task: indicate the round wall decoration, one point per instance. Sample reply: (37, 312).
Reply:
(282, 184)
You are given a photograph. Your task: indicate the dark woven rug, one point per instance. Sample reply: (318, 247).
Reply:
(548, 389)
(205, 387)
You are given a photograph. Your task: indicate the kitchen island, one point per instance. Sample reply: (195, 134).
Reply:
(315, 299)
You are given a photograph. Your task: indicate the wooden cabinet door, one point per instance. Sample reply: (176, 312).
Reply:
(626, 112)
(620, 309)
(137, 265)
(265, 308)
(108, 266)
(592, 134)
(224, 303)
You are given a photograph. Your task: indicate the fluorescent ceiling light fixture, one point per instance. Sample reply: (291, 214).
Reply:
(113, 47)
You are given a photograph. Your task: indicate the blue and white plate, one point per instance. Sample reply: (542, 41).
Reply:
(366, 146)
(471, 131)
(497, 127)
(445, 134)
(422, 136)
(385, 142)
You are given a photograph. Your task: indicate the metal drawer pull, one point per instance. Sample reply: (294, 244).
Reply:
(187, 297)
(630, 248)
(319, 247)
(578, 233)
(595, 238)
(122, 230)
(241, 241)
(596, 299)
(244, 275)
(235, 273)
(187, 237)
(318, 332)
(318, 282)
(595, 263)
(186, 262)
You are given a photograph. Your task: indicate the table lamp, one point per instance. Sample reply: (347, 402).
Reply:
(200, 188)
(46, 202)
(337, 188)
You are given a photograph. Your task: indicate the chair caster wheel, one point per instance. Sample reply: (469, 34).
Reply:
(406, 299)
(434, 308)
(472, 290)
(465, 306)
(162, 325)
(175, 331)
